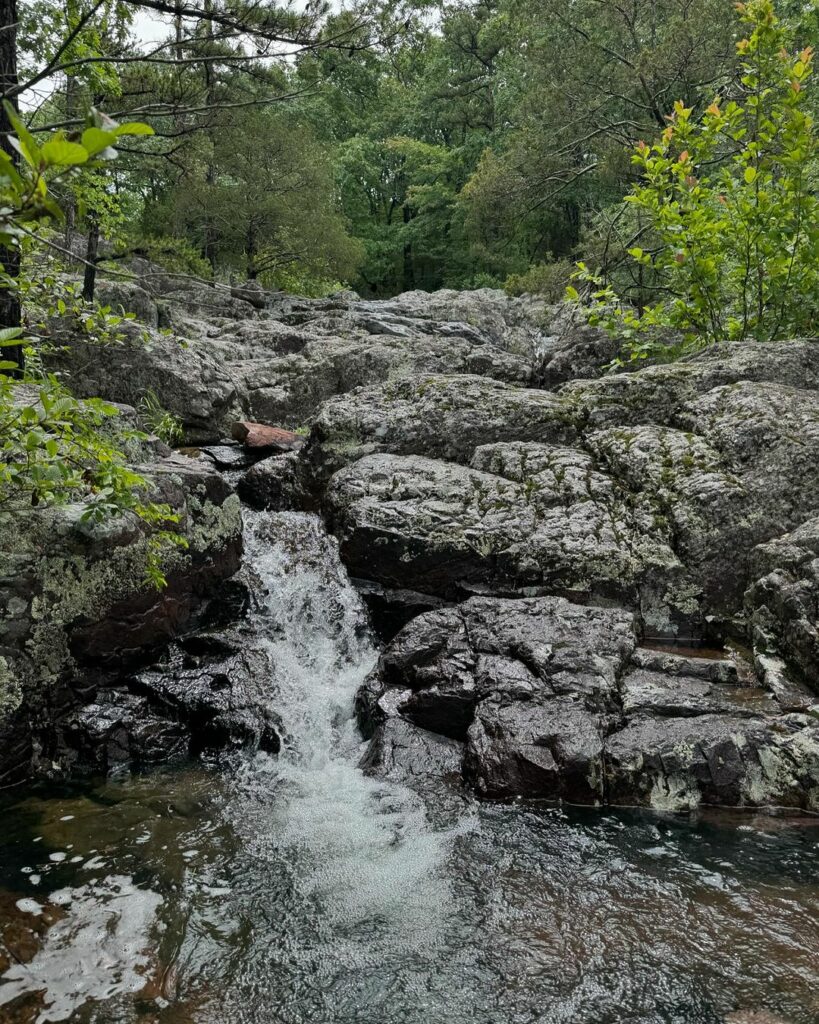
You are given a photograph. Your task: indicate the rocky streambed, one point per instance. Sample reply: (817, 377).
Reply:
(475, 568)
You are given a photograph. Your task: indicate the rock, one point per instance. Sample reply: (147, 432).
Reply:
(656, 394)
(404, 751)
(252, 292)
(679, 763)
(230, 361)
(390, 608)
(552, 750)
(782, 607)
(527, 684)
(76, 602)
(554, 700)
(229, 455)
(260, 435)
(119, 729)
(443, 417)
(280, 483)
(129, 297)
(189, 382)
(446, 530)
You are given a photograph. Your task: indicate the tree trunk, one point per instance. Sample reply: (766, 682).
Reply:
(252, 269)
(9, 258)
(210, 174)
(409, 266)
(89, 281)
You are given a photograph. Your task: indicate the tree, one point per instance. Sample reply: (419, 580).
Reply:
(732, 250)
(270, 202)
(582, 82)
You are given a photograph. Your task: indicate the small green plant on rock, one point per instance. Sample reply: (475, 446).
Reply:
(731, 206)
(158, 420)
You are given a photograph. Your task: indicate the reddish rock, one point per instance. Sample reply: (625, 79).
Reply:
(260, 435)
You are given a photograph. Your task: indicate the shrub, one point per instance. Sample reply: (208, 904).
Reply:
(729, 202)
(546, 279)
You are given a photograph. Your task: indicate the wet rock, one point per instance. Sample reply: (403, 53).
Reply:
(280, 483)
(404, 751)
(680, 763)
(527, 684)
(119, 729)
(227, 455)
(552, 750)
(554, 700)
(75, 597)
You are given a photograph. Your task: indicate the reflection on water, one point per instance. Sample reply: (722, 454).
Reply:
(195, 900)
(296, 890)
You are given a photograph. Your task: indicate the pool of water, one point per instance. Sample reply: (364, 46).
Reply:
(190, 896)
(296, 889)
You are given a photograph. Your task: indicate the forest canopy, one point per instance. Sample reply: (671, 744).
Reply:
(392, 145)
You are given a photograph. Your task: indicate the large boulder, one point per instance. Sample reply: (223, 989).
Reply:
(438, 416)
(554, 700)
(76, 598)
(448, 530)
(656, 394)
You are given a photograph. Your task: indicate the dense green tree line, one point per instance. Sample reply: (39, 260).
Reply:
(396, 144)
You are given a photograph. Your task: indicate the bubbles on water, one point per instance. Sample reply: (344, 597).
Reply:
(360, 853)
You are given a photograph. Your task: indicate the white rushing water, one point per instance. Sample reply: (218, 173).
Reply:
(358, 849)
(297, 890)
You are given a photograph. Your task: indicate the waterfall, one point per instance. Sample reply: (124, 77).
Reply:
(357, 849)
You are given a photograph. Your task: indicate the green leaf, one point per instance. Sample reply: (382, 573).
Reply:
(96, 141)
(62, 153)
(133, 128)
(750, 175)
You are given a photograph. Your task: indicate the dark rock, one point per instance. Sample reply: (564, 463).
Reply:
(229, 455)
(486, 668)
(552, 750)
(555, 701)
(280, 483)
(390, 609)
(404, 751)
(119, 729)
(74, 595)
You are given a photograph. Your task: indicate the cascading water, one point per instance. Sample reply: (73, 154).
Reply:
(361, 849)
(297, 890)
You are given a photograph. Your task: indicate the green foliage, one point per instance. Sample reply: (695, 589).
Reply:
(159, 421)
(24, 189)
(176, 254)
(546, 279)
(55, 448)
(268, 203)
(732, 250)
